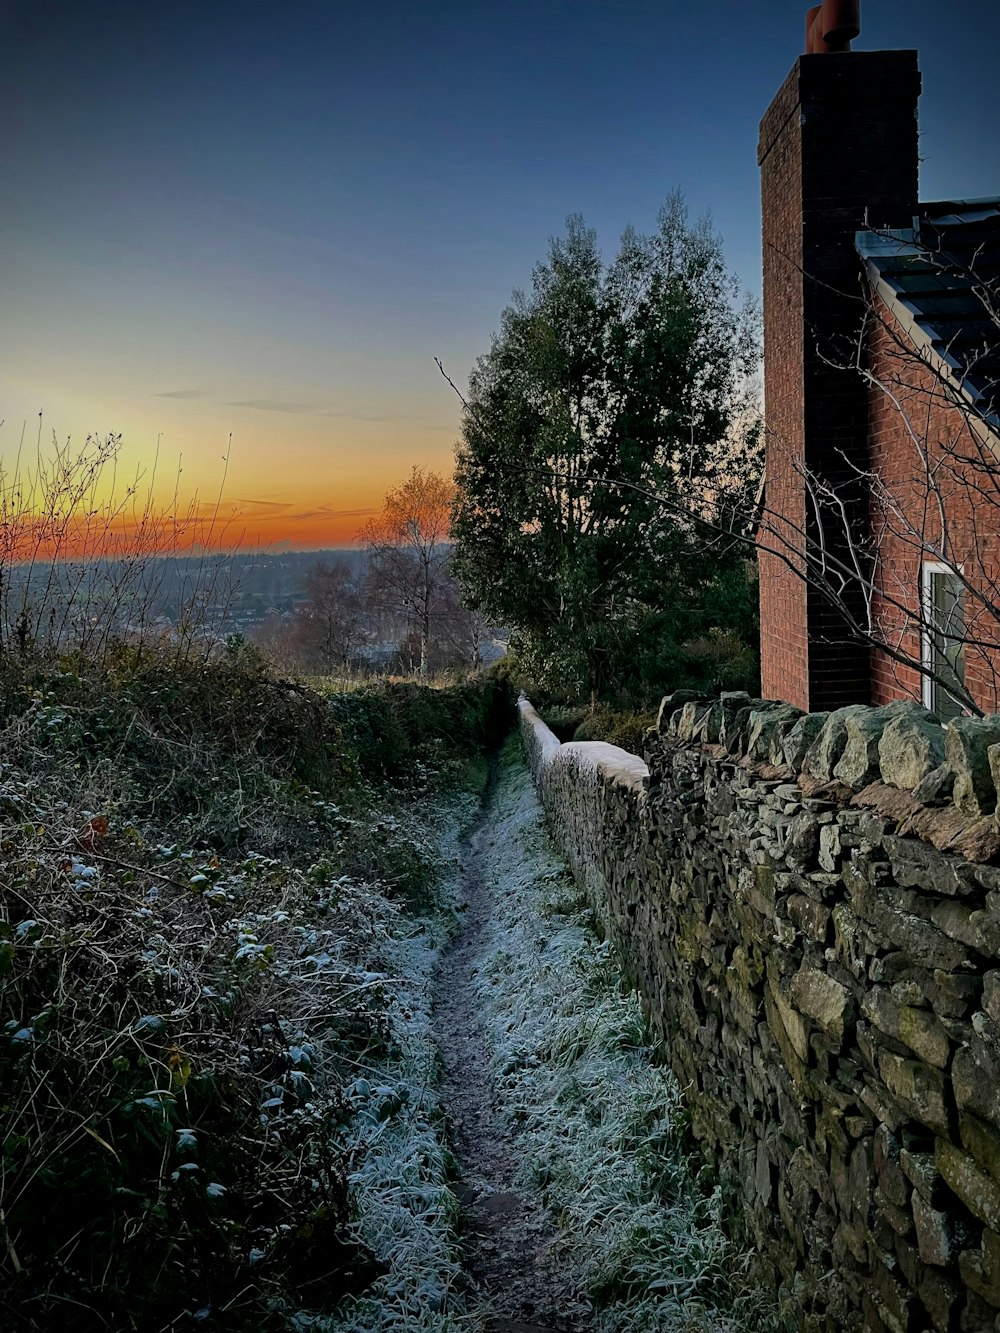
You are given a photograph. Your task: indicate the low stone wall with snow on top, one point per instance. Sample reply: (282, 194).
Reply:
(809, 905)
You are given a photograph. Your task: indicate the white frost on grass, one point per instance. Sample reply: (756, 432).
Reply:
(406, 1212)
(599, 1123)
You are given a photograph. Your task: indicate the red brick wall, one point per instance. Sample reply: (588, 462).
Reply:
(838, 146)
(784, 645)
(915, 432)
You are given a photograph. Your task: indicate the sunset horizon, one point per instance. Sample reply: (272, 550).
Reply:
(265, 232)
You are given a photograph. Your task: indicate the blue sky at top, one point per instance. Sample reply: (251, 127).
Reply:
(268, 219)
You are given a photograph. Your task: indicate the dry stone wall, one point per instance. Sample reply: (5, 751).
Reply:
(810, 907)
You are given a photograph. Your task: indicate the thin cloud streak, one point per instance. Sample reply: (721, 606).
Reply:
(183, 393)
(269, 512)
(392, 418)
(273, 405)
(325, 513)
(264, 508)
(344, 415)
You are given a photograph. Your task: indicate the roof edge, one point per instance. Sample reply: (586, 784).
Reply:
(873, 246)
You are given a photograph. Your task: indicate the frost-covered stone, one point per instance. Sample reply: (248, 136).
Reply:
(911, 747)
(967, 745)
(541, 743)
(601, 760)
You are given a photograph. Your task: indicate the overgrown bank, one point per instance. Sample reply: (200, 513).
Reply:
(215, 888)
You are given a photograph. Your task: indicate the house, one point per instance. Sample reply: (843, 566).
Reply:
(880, 533)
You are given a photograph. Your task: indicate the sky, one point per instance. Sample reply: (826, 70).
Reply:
(240, 233)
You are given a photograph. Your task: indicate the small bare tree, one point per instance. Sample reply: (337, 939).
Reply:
(330, 627)
(410, 555)
(85, 554)
(461, 632)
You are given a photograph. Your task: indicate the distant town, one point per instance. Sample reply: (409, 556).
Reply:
(314, 612)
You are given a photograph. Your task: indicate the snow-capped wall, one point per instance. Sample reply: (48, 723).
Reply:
(810, 909)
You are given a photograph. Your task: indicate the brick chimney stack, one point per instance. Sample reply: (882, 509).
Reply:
(838, 151)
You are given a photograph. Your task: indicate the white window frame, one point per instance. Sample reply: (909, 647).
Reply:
(928, 569)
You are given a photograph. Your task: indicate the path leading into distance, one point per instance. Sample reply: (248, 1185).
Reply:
(509, 1235)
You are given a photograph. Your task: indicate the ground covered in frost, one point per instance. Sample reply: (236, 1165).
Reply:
(597, 1121)
(314, 1040)
(556, 1110)
(406, 1211)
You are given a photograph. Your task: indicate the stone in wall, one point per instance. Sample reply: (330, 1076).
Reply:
(910, 749)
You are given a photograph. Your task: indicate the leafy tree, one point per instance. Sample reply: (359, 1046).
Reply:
(608, 386)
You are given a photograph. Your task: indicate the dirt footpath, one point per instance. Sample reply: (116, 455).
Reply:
(508, 1233)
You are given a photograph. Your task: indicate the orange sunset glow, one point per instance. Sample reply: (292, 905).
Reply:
(301, 487)
(222, 223)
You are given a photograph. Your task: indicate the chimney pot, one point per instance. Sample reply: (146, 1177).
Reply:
(832, 26)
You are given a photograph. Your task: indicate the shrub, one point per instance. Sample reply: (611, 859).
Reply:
(169, 1073)
(386, 728)
(626, 730)
(563, 719)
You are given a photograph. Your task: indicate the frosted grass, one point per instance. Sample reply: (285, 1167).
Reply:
(406, 1212)
(600, 1123)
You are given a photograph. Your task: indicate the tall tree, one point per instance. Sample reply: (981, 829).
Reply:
(409, 552)
(636, 371)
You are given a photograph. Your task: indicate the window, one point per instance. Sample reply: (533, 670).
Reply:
(943, 637)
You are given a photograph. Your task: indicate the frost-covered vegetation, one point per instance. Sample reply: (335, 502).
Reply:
(221, 900)
(405, 1211)
(599, 1121)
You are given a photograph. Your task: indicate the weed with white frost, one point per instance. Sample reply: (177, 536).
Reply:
(406, 1214)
